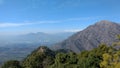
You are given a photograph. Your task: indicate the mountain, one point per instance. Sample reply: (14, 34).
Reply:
(101, 32)
(35, 38)
(44, 38)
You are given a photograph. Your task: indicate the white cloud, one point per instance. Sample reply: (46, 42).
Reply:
(43, 22)
(10, 24)
(72, 30)
(47, 22)
(2, 25)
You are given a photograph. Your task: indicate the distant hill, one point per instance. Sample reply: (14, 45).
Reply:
(35, 38)
(18, 47)
(101, 32)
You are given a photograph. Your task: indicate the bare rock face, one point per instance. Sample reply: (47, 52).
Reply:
(101, 32)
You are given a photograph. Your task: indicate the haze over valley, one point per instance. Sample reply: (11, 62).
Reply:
(19, 46)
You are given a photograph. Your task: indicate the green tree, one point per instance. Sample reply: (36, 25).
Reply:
(12, 64)
(43, 57)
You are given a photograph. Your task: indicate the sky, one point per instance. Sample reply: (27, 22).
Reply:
(52, 16)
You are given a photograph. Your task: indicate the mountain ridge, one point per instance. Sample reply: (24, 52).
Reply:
(101, 32)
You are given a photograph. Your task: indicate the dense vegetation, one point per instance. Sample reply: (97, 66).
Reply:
(103, 56)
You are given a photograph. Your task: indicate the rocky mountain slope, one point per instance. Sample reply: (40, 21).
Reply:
(101, 32)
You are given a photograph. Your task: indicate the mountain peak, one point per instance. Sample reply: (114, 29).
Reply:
(43, 49)
(104, 22)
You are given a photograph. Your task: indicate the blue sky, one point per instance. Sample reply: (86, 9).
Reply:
(51, 16)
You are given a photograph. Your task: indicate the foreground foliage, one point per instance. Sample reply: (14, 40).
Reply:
(12, 64)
